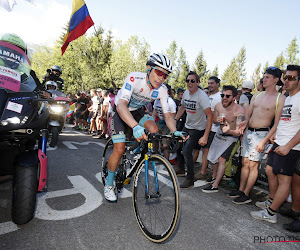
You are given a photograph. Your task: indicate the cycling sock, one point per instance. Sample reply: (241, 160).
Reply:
(270, 200)
(271, 211)
(110, 178)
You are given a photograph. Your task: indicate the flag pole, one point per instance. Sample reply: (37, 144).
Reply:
(112, 81)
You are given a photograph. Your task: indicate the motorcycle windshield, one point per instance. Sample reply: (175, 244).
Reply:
(15, 69)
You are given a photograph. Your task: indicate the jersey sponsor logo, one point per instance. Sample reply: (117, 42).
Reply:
(128, 86)
(155, 94)
(132, 79)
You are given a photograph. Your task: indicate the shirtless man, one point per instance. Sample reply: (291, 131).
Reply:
(263, 108)
(226, 135)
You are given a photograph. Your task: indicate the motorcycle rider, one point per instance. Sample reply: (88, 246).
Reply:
(51, 85)
(19, 42)
(53, 74)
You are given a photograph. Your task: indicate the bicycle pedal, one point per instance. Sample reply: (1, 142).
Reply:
(127, 181)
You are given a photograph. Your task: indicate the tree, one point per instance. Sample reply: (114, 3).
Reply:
(256, 75)
(280, 61)
(231, 74)
(200, 68)
(172, 53)
(181, 71)
(241, 70)
(265, 68)
(215, 72)
(291, 53)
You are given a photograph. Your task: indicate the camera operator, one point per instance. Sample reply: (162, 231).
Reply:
(53, 74)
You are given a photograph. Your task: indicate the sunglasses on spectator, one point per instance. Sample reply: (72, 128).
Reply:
(190, 80)
(290, 78)
(271, 68)
(160, 73)
(227, 96)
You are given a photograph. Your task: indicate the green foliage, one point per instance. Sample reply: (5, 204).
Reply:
(256, 75)
(265, 68)
(181, 71)
(200, 68)
(291, 53)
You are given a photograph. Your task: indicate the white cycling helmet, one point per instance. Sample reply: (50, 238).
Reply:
(51, 83)
(160, 60)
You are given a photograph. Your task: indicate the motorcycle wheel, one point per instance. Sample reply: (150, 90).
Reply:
(54, 136)
(24, 194)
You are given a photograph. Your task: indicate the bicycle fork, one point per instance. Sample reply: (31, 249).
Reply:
(147, 155)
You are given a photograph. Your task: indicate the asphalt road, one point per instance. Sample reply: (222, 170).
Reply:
(73, 214)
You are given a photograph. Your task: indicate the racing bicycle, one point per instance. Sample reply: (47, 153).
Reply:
(155, 189)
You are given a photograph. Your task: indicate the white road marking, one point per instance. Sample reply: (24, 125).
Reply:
(8, 227)
(93, 199)
(69, 144)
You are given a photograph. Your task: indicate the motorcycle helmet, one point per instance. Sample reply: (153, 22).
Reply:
(160, 60)
(51, 83)
(15, 40)
(57, 68)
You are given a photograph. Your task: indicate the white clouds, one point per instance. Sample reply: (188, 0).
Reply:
(41, 23)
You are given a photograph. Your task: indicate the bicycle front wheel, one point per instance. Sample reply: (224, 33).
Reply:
(156, 198)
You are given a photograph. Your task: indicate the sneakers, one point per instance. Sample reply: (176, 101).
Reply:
(188, 183)
(289, 213)
(226, 178)
(180, 172)
(210, 189)
(263, 204)
(235, 193)
(199, 176)
(109, 193)
(294, 226)
(242, 199)
(264, 215)
(210, 180)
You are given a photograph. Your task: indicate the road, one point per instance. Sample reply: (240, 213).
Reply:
(73, 214)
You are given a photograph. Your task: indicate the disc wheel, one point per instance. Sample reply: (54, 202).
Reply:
(157, 212)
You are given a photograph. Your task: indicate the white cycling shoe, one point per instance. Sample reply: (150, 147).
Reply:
(109, 193)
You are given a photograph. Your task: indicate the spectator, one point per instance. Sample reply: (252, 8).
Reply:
(93, 109)
(196, 104)
(81, 112)
(98, 120)
(260, 86)
(246, 96)
(214, 98)
(225, 115)
(284, 158)
(263, 108)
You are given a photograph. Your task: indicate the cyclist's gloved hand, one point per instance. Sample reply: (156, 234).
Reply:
(182, 134)
(179, 133)
(138, 131)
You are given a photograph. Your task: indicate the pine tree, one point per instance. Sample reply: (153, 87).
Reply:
(280, 61)
(240, 62)
(231, 74)
(200, 68)
(256, 75)
(291, 53)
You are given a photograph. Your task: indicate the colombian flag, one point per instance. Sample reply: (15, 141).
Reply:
(80, 22)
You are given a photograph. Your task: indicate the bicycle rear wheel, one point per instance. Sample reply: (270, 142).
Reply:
(157, 213)
(108, 149)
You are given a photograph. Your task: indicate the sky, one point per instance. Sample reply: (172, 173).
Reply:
(219, 28)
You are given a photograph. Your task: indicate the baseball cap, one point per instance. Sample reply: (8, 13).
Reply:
(274, 71)
(180, 90)
(248, 85)
(99, 90)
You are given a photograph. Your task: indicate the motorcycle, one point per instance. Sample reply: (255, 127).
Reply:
(22, 123)
(58, 108)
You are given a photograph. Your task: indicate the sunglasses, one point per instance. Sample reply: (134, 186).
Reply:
(160, 73)
(227, 96)
(190, 80)
(290, 78)
(271, 68)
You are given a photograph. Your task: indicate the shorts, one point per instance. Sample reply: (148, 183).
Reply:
(80, 116)
(119, 128)
(226, 155)
(210, 139)
(249, 142)
(284, 165)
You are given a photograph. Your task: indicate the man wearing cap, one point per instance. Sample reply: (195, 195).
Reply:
(263, 108)
(246, 96)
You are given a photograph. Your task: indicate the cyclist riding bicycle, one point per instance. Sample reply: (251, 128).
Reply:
(138, 90)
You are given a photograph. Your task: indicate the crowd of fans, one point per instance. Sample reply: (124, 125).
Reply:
(219, 122)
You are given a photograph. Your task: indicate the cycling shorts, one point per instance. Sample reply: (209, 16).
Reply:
(119, 128)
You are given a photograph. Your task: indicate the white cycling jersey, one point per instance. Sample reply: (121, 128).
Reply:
(136, 91)
(171, 107)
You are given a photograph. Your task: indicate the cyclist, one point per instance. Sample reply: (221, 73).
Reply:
(138, 90)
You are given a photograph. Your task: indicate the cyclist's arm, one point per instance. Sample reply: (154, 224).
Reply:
(124, 113)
